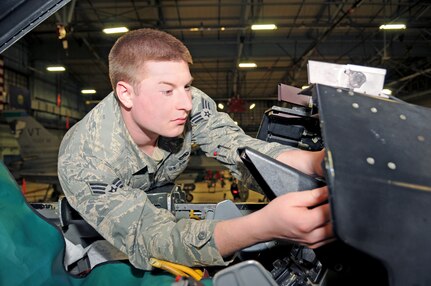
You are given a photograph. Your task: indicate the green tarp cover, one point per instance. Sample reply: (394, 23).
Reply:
(32, 249)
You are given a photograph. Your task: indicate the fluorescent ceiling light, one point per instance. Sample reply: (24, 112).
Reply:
(220, 105)
(253, 105)
(197, 29)
(115, 30)
(88, 91)
(247, 65)
(264, 27)
(392, 27)
(56, 69)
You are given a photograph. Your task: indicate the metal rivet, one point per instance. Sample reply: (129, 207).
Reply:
(351, 93)
(339, 90)
(421, 138)
(403, 117)
(392, 166)
(355, 105)
(373, 109)
(370, 160)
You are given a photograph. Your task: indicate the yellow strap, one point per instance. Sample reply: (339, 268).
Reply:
(193, 216)
(155, 263)
(197, 274)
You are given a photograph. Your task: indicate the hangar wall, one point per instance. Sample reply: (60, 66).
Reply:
(52, 99)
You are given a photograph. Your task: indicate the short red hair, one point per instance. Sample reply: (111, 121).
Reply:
(130, 52)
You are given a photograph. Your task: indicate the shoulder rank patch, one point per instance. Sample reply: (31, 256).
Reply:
(204, 114)
(99, 188)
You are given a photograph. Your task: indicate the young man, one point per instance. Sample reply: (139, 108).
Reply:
(139, 137)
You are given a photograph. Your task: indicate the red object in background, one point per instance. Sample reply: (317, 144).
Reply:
(217, 175)
(236, 105)
(24, 186)
(58, 99)
(208, 175)
(67, 122)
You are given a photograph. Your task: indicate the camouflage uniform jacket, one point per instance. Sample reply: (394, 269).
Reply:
(105, 178)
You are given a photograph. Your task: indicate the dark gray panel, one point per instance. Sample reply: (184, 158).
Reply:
(378, 162)
(17, 18)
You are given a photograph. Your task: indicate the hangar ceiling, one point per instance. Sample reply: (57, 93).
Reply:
(219, 36)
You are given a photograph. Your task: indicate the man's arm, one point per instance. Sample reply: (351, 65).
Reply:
(129, 221)
(287, 217)
(292, 216)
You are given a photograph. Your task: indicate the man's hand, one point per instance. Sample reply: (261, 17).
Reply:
(301, 217)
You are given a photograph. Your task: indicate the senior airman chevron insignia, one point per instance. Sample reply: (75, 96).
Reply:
(99, 188)
(204, 114)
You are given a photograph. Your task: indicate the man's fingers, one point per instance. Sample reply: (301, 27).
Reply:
(321, 243)
(309, 198)
(321, 215)
(319, 236)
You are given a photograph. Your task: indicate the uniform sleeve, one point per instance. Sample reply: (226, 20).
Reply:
(220, 137)
(126, 218)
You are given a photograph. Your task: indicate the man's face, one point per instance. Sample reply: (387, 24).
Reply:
(162, 101)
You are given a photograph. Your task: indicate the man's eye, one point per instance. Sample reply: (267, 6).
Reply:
(187, 87)
(167, 92)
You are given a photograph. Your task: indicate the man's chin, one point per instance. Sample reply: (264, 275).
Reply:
(174, 133)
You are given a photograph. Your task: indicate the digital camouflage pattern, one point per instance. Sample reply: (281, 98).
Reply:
(105, 177)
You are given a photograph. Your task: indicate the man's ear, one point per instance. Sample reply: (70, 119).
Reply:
(124, 93)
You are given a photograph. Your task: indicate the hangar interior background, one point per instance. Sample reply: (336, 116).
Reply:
(219, 36)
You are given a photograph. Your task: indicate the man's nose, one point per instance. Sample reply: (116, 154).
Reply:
(185, 100)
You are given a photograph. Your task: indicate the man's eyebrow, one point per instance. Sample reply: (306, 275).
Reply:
(173, 85)
(168, 83)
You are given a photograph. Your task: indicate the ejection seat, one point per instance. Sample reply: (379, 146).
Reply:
(32, 249)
